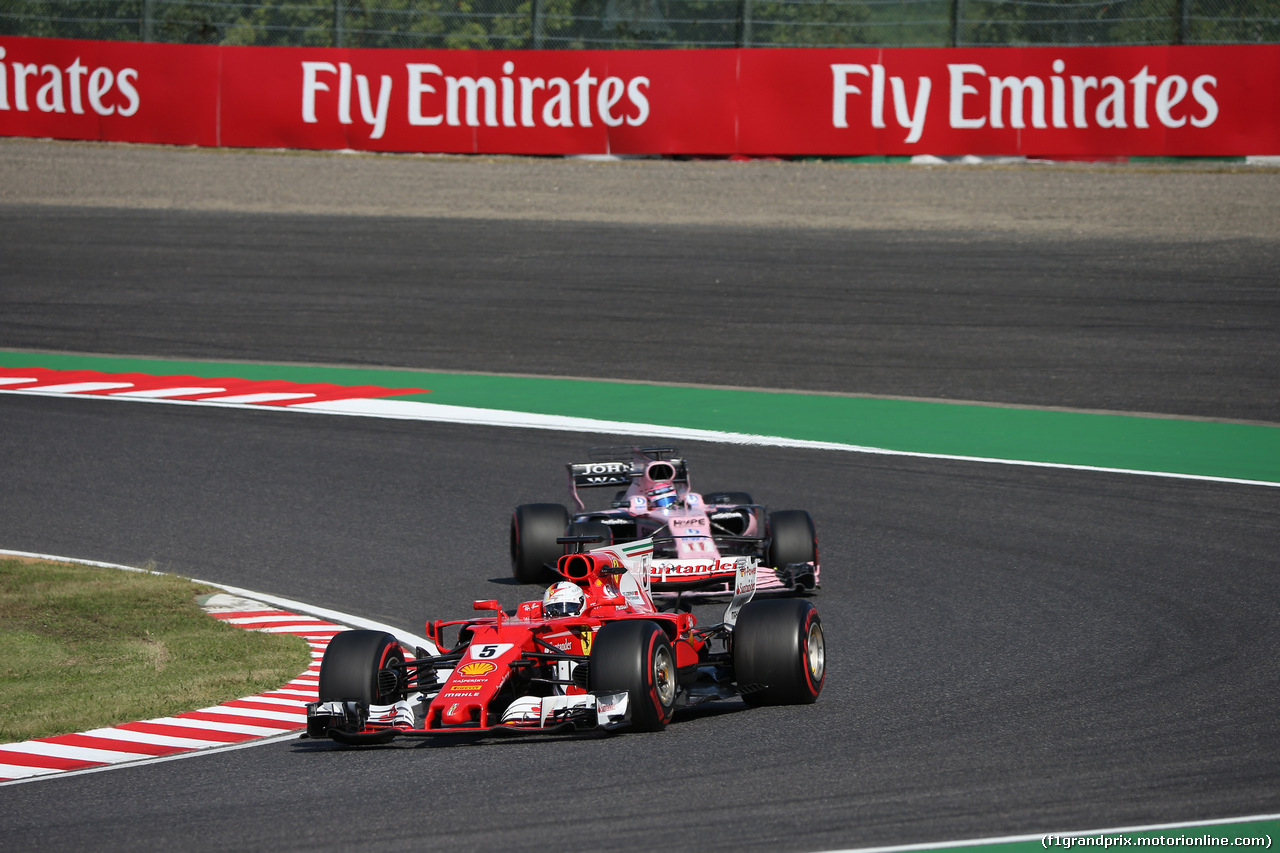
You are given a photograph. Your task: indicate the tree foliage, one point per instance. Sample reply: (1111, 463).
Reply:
(570, 24)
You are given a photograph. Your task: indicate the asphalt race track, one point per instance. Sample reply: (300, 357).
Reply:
(1009, 650)
(1098, 323)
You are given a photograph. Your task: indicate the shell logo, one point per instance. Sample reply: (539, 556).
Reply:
(477, 668)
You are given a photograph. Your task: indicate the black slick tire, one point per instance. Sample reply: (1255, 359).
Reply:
(350, 666)
(779, 654)
(636, 656)
(792, 538)
(534, 530)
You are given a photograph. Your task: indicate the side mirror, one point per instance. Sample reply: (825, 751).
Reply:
(492, 604)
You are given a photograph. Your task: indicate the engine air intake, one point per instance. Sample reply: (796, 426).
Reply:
(577, 567)
(661, 472)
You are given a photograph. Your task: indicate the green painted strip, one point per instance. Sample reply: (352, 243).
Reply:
(1202, 448)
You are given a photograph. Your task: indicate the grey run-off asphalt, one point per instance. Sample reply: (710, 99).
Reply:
(1190, 201)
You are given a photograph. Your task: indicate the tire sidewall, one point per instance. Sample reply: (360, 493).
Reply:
(534, 529)
(349, 668)
(792, 538)
(812, 686)
(622, 658)
(771, 648)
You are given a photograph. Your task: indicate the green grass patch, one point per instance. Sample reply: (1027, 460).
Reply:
(83, 647)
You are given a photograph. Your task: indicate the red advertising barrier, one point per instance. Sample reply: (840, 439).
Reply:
(108, 90)
(1044, 101)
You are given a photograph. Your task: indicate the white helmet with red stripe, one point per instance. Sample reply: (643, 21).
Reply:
(563, 599)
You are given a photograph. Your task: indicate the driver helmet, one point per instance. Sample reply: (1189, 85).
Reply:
(563, 599)
(662, 495)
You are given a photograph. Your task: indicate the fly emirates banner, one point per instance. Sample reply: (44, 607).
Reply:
(1039, 102)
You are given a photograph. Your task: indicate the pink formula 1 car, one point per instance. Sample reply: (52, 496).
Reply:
(699, 539)
(594, 653)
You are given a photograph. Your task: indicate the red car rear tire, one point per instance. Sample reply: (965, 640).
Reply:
(779, 653)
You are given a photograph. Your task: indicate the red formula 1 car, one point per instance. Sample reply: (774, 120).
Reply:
(593, 653)
(698, 539)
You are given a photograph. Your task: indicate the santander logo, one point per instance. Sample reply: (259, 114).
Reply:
(716, 566)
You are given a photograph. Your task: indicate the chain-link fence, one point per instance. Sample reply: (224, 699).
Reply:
(562, 24)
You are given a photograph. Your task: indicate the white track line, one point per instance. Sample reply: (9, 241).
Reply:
(412, 410)
(1074, 833)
